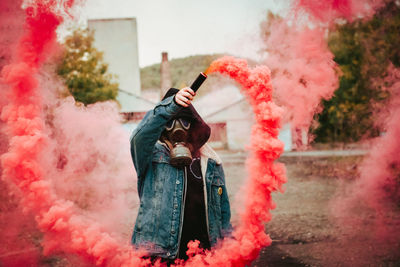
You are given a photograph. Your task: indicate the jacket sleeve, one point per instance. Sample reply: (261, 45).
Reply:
(149, 130)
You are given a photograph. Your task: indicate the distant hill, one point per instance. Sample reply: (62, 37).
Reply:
(183, 72)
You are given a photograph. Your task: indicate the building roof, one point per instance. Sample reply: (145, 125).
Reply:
(218, 100)
(222, 109)
(133, 102)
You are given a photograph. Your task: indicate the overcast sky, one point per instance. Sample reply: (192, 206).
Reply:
(190, 27)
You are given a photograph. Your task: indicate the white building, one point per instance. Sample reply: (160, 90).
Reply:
(231, 118)
(117, 39)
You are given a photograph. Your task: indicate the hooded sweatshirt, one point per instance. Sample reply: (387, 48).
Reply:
(194, 222)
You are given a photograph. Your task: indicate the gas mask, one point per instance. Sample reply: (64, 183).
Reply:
(176, 133)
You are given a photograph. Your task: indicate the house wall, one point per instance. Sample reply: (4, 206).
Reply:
(238, 132)
(238, 119)
(285, 135)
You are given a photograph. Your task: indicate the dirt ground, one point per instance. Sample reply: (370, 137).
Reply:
(302, 228)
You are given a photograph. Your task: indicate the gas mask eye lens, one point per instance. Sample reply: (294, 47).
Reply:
(170, 124)
(185, 124)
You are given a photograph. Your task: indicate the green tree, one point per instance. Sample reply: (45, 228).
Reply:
(84, 71)
(363, 50)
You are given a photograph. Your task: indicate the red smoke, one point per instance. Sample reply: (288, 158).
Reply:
(297, 52)
(304, 70)
(265, 176)
(10, 20)
(26, 161)
(371, 203)
(44, 159)
(52, 170)
(329, 10)
(379, 184)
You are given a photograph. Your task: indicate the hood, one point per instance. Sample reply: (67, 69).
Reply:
(199, 132)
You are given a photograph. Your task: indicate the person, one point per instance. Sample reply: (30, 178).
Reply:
(181, 183)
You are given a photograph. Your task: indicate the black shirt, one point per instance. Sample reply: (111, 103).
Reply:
(194, 221)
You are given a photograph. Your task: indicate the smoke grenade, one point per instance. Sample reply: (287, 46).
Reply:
(199, 81)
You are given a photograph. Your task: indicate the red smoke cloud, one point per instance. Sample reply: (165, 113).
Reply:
(265, 175)
(304, 70)
(28, 161)
(328, 11)
(379, 184)
(53, 159)
(371, 203)
(11, 16)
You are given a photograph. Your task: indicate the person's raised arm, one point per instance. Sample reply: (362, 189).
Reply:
(150, 128)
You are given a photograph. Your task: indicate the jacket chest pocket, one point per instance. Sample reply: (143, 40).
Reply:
(163, 171)
(217, 187)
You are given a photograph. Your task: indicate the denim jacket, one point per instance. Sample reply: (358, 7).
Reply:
(161, 188)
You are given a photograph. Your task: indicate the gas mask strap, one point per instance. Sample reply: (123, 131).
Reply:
(168, 143)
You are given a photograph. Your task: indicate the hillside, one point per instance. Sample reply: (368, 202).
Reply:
(183, 72)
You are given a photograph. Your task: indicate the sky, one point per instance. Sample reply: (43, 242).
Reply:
(189, 27)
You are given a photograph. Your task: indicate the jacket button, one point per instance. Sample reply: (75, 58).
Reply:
(177, 182)
(220, 191)
(168, 254)
(175, 206)
(173, 232)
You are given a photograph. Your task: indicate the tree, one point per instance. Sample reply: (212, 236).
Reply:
(84, 71)
(363, 50)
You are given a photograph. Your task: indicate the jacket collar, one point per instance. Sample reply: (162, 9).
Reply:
(207, 152)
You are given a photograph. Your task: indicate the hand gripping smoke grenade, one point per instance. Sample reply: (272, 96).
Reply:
(178, 132)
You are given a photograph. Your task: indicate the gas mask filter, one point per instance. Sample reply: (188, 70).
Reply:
(177, 132)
